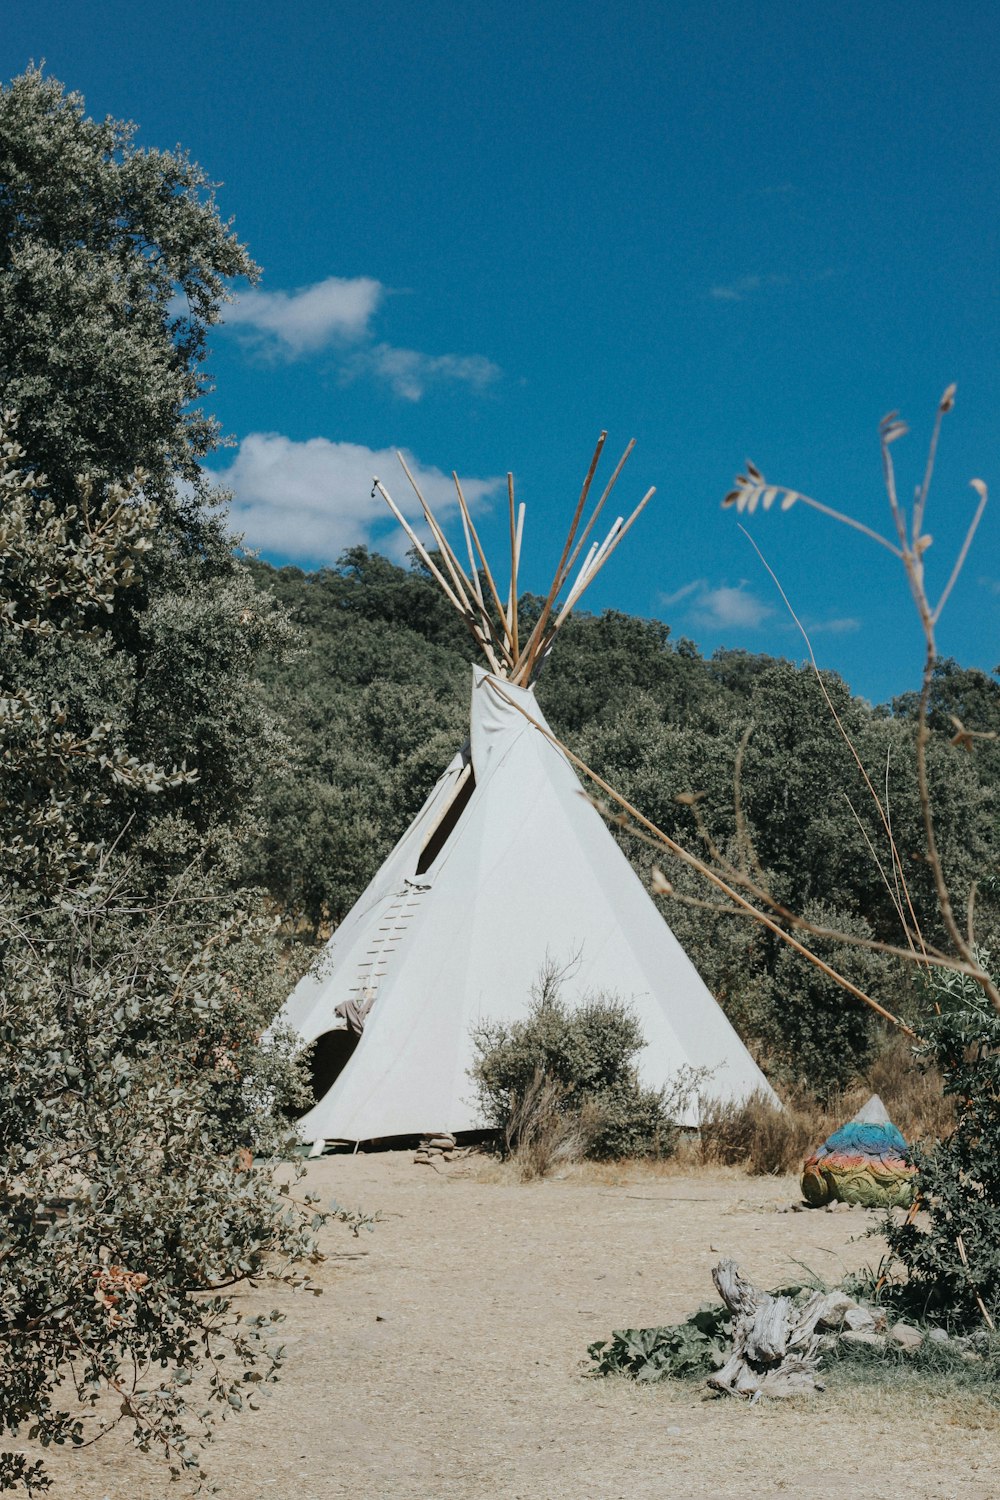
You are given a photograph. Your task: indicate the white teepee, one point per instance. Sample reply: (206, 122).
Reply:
(506, 866)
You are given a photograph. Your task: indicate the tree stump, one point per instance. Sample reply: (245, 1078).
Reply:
(776, 1346)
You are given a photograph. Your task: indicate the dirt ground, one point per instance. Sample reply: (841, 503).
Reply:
(445, 1358)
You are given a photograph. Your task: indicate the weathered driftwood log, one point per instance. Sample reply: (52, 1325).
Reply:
(776, 1345)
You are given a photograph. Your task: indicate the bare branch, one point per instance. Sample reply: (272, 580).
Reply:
(944, 405)
(983, 493)
(897, 862)
(911, 551)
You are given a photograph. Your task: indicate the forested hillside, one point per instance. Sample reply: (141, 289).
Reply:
(375, 701)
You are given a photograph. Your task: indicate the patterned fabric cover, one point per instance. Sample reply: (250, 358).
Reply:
(866, 1161)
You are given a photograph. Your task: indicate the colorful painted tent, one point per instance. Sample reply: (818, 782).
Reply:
(866, 1161)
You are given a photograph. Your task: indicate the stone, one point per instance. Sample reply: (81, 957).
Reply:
(906, 1336)
(835, 1307)
(859, 1320)
(938, 1336)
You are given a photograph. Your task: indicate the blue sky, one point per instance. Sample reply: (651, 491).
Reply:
(488, 231)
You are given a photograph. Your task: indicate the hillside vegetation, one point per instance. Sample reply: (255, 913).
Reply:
(375, 700)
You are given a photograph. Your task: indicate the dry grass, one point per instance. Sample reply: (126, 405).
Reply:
(912, 1095)
(755, 1135)
(628, 1172)
(542, 1134)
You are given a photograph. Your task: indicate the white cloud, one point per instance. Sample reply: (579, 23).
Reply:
(746, 286)
(842, 626)
(409, 372)
(722, 607)
(309, 500)
(337, 314)
(736, 290)
(743, 286)
(683, 593)
(728, 608)
(291, 324)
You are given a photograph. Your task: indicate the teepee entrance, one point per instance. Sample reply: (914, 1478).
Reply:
(506, 866)
(327, 1059)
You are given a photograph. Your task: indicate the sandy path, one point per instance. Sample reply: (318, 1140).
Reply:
(443, 1360)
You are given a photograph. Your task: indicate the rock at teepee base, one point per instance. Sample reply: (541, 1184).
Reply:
(435, 1147)
(865, 1161)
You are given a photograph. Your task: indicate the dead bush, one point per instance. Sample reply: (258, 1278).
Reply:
(541, 1134)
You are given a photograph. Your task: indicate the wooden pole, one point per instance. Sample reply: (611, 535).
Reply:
(587, 562)
(486, 567)
(473, 565)
(437, 574)
(589, 571)
(515, 548)
(525, 664)
(600, 504)
(538, 647)
(611, 541)
(471, 596)
(461, 583)
(628, 526)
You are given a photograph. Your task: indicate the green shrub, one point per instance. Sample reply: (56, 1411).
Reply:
(952, 1260)
(587, 1058)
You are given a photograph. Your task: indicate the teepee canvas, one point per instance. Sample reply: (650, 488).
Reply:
(506, 867)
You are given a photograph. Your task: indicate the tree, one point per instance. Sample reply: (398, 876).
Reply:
(134, 1084)
(136, 974)
(114, 263)
(113, 266)
(57, 580)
